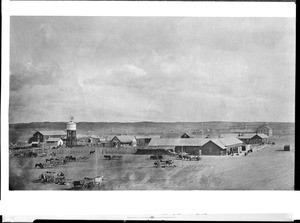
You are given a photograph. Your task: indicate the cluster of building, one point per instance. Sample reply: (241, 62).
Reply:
(234, 142)
(55, 138)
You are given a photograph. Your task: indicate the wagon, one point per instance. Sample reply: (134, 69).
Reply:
(61, 180)
(287, 148)
(160, 164)
(87, 183)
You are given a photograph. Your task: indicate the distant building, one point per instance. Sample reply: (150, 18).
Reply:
(144, 140)
(187, 135)
(123, 141)
(254, 138)
(265, 129)
(43, 136)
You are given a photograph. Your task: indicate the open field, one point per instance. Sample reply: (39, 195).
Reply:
(267, 168)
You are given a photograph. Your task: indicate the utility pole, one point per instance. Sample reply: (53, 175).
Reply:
(202, 125)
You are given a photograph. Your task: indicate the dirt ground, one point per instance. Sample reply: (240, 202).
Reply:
(267, 168)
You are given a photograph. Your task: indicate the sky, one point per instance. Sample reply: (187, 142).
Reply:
(162, 69)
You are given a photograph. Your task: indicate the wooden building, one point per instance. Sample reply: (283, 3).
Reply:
(221, 146)
(264, 129)
(254, 138)
(123, 141)
(43, 136)
(178, 145)
(144, 140)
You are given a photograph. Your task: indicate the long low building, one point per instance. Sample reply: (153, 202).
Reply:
(198, 146)
(43, 136)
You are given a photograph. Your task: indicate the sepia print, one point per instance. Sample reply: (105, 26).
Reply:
(151, 103)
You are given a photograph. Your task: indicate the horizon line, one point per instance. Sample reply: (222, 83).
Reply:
(130, 122)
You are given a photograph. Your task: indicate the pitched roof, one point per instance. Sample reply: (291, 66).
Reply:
(264, 126)
(250, 136)
(53, 139)
(263, 136)
(226, 142)
(230, 141)
(218, 143)
(246, 136)
(49, 133)
(188, 134)
(177, 142)
(228, 135)
(147, 136)
(125, 138)
(164, 142)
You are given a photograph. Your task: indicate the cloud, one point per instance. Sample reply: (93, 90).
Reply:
(151, 68)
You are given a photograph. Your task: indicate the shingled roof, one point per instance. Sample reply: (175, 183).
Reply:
(177, 142)
(53, 133)
(125, 138)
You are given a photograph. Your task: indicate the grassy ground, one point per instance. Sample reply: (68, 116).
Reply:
(267, 168)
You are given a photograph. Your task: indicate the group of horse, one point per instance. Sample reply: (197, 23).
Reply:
(164, 163)
(51, 162)
(189, 157)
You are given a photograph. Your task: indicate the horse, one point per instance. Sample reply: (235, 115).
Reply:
(98, 181)
(108, 157)
(169, 162)
(40, 165)
(50, 160)
(92, 152)
(72, 159)
(187, 157)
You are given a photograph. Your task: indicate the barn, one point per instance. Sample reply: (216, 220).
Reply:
(123, 141)
(253, 138)
(264, 129)
(178, 145)
(190, 145)
(259, 139)
(221, 146)
(144, 140)
(43, 136)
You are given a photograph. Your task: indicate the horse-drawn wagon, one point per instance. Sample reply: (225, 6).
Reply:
(52, 177)
(164, 163)
(88, 183)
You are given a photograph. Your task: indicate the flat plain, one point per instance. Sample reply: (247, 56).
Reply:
(268, 167)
